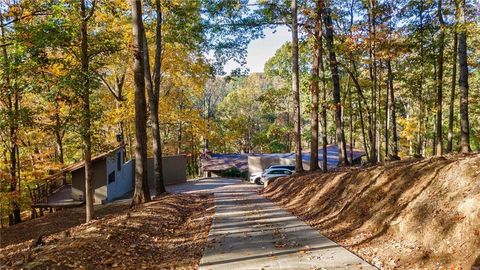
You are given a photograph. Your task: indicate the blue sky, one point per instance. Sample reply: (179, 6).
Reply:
(260, 50)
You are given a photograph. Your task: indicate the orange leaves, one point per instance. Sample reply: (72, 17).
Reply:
(163, 236)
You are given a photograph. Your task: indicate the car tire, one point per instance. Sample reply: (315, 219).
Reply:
(257, 181)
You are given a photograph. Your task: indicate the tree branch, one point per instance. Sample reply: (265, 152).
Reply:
(117, 95)
(92, 10)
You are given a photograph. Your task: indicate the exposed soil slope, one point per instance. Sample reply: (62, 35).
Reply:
(167, 233)
(412, 214)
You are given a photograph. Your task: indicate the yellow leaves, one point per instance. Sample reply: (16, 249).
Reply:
(177, 2)
(409, 128)
(13, 11)
(183, 69)
(409, 132)
(58, 69)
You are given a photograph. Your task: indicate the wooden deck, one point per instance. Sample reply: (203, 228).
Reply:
(62, 198)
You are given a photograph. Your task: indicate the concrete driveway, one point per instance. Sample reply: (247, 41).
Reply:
(251, 232)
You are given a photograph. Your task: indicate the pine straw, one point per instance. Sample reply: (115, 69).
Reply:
(167, 233)
(412, 214)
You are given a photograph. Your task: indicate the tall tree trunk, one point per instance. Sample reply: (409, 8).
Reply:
(314, 89)
(342, 148)
(86, 116)
(324, 103)
(463, 77)
(362, 124)
(392, 110)
(59, 140)
(59, 146)
(373, 78)
(388, 114)
(421, 116)
(363, 100)
(441, 41)
(141, 193)
(12, 107)
(379, 113)
(351, 121)
(157, 140)
(153, 90)
(350, 31)
(180, 135)
(296, 90)
(59, 150)
(452, 94)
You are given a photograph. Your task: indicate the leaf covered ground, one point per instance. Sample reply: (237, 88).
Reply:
(167, 233)
(411, 214)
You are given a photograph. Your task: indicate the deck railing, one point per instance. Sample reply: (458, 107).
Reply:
(40, 192)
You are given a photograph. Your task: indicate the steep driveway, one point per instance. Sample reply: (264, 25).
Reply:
(250, 232)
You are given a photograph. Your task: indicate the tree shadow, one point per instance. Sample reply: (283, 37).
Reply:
(344, 204)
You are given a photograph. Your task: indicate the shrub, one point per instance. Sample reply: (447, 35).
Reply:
(234, 172)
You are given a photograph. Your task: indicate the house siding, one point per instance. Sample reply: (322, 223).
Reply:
(99, 182)
(174, 170)
(123, 178)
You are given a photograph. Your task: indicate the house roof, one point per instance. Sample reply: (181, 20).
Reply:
(332, 155)
(81, 164)
(220, 162)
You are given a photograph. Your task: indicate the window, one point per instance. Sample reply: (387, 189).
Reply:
(111, 177)
(119, 160)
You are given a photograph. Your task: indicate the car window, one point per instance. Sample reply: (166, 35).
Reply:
(275, 172)
(283, 167)
(288, 172)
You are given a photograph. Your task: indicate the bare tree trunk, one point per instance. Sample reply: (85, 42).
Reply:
(373, 78)
(351, 121)
(421, 116)
(362, 124)
(364, 100)
(324, 104)
(142, 192)
(296, 91)
(388, 114)
(392, 111)
(59, 146)
(441, 41)
(12, 107)
(379, 114)
(180, 135)
(463, 77)
(314, 89)
(157, 140)
(352, 4)
(342, 148)
(452, 94)
(86, 117)
(153, 91)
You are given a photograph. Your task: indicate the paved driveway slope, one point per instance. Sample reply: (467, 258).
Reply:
(251, 232)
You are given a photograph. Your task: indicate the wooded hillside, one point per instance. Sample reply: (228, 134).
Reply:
(395, 78)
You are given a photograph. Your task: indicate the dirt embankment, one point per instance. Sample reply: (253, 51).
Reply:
(412, 214)
(167, 233)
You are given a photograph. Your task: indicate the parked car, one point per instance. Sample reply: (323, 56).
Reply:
(256, 177)
(272, 174)
(279, 166)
